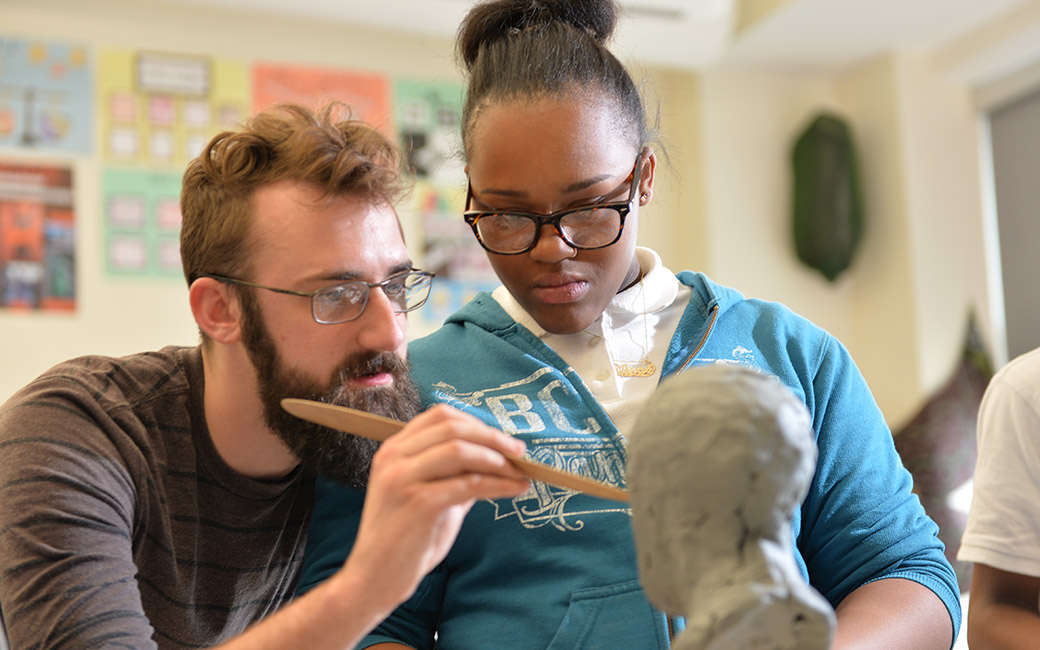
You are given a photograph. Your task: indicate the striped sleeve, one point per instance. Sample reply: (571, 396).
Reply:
(67, 576)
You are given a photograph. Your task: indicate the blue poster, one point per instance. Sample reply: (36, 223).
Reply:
(45, 100)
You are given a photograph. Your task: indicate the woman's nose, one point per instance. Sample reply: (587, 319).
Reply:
(550, 246)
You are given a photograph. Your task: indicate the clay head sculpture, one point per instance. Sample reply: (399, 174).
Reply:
(718, 461)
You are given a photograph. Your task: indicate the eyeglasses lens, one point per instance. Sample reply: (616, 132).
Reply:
(591, 228)
(507, 233)
(345, 302)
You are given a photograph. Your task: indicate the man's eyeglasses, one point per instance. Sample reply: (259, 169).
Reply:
(588, 227)
(346, 301)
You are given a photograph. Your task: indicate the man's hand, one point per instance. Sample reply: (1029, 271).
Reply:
(424, 480)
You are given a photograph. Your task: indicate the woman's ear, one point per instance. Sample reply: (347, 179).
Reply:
(646, 177)
(216, 310)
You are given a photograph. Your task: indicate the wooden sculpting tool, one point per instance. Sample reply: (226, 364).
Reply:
(377, 427)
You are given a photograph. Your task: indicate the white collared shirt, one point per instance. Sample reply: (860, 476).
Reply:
(646, 313)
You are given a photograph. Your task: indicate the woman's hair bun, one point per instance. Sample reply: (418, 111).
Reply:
(490, 21)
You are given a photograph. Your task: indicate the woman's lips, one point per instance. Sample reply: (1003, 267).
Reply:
(558, 290)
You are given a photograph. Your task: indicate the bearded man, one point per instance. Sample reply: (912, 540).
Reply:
(161, 500)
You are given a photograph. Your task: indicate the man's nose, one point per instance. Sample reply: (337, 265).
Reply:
(383, 327)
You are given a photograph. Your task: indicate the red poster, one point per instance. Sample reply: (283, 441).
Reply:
(37, 238)
(367, 94)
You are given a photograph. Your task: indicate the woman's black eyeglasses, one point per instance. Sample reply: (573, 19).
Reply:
(588, 227)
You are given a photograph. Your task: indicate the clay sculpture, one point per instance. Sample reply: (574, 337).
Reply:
(719, 459)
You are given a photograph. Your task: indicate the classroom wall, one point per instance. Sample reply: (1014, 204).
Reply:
(121, 315)
(942, 153)
(117, 315)
(721, 204)
(902, 307)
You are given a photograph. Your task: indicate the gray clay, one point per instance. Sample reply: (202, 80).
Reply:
(719, 459)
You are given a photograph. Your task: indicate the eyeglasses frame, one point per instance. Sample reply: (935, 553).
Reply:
(623, 208)
(429, 275)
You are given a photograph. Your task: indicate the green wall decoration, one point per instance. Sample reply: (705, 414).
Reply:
(828, 205)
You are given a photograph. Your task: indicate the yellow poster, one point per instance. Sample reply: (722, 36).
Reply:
(159, 109)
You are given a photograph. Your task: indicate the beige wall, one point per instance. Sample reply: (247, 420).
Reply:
(884, 317)
(124, 315)
(902, 307)
(673, 223)
(721, 203)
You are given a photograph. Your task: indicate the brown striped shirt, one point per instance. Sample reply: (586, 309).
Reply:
(120, 525)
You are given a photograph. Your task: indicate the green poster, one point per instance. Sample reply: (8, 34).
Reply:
(142, 221)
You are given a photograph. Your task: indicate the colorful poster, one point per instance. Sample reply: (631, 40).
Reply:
(160, 110)
(142, 218)
(428, 118)
(45, 96)
(37, 237)
(451, 251)
(366, 93)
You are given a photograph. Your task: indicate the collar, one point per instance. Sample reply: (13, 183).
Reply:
(659, 284)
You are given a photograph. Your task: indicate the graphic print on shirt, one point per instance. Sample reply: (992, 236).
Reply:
(741, 356)
(544, 410)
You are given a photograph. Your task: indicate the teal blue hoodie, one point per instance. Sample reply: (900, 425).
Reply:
(556, 569)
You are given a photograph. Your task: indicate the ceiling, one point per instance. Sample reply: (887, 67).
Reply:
(837, 33)
(826, 34)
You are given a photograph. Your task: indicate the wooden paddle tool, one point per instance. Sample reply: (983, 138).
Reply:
(377, 427)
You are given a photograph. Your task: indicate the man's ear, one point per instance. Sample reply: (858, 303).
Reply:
(646, 177)
(216, 310)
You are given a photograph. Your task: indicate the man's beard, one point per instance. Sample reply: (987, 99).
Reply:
(340, 456)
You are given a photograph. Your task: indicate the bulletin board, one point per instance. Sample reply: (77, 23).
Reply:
(152, 112)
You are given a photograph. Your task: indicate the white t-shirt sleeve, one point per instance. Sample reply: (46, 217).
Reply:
(1003, 529)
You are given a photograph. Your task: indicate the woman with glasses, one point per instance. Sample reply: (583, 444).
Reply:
(564, 353)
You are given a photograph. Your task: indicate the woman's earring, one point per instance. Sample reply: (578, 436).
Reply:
(643, 198)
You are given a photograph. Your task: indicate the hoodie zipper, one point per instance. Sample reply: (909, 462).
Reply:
(704, 339)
